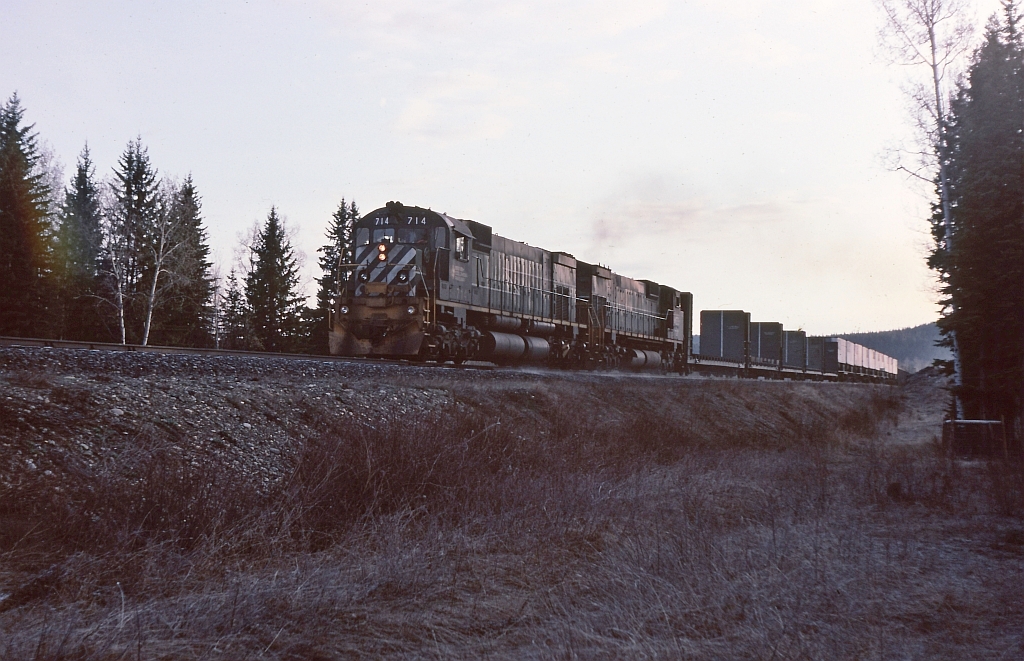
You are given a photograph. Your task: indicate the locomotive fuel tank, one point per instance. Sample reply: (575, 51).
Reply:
(644, 359)
(506, 348)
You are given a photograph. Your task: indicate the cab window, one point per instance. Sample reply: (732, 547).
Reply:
(384, 235)
(363, 236)
(461, 248)
(412, 235)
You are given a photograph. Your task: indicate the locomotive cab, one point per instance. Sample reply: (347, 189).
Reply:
(383, 302)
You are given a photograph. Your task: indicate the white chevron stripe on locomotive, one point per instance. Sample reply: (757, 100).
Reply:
(398, 259)
(364, 253)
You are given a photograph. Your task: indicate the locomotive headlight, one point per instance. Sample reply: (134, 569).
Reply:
(382, 256)
(411, 309)
(343, 309)
(364, 276)
(403, 276)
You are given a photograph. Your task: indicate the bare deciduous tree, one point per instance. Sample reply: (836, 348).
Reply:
(931, 34)
(129, 284)
(115, 265)
(164, 241)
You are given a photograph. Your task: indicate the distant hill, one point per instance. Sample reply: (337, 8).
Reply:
(913, 347)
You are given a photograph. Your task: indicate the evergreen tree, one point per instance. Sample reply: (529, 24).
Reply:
(981, 263)
(234, 316)
(79, 241)
(271, 289)
(183, 316)
(129, 236)
(25, 230)
(340, 248)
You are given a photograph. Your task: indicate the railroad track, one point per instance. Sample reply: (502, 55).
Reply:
(193, 351)
(707, 367)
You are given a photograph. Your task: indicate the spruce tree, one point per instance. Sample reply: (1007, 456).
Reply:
(339, 248)
(271, 289)
(234, 316)
(79, 239)
(183, 316)
(25, 230)
(982, 264)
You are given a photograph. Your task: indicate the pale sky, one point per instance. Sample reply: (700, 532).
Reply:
(734, 150)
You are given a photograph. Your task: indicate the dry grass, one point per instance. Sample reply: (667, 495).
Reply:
(542, 520)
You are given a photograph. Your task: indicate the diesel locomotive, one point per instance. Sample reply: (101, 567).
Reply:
(426, 286)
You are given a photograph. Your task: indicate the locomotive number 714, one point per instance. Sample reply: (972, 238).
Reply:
(409, 220)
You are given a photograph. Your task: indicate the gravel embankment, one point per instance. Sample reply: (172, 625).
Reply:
(67, 408)
(59, 406)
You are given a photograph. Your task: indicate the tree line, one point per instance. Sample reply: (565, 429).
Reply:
(126, 258)
(971, 150)
(979, 240)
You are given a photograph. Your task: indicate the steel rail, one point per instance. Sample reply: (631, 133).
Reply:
(35, 342)
(702, 363)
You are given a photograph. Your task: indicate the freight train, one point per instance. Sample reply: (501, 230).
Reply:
(426, 286)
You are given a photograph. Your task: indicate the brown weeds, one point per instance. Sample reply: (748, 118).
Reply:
(551, 519)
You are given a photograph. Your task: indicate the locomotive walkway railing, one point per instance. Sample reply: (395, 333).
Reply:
(515, 298)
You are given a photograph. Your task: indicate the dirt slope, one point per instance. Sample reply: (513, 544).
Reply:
(56, 405)
(926, 402)
(180, 507)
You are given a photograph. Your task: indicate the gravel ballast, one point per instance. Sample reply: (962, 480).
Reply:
(58, 404)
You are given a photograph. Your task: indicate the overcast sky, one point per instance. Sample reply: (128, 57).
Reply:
(734, 150)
